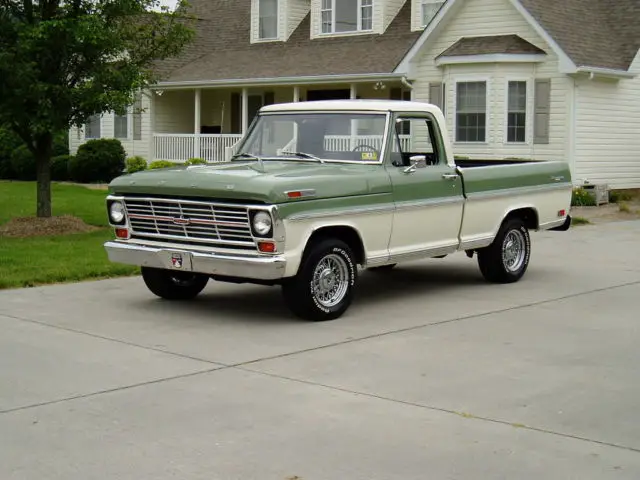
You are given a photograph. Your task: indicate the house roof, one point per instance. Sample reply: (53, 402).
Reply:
(490, 45)
(222, 50)
(593, 33)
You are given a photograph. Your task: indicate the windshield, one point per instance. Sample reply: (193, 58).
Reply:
(337, 136)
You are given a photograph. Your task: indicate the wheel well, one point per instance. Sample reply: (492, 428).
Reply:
(348, 235)
(528, 215)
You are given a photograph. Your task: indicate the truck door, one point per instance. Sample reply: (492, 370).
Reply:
(427, 192)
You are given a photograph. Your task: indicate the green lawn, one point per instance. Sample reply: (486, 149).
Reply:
(62, 258)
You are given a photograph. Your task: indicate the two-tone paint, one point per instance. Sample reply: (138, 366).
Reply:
(397, 213)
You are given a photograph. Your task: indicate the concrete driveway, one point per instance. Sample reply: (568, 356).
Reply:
(433, 374)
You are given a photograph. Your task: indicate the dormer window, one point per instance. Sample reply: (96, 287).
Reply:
(341, 16)
(428, 10)
(267, 19)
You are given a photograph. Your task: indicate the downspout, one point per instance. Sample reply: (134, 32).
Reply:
(404, 82)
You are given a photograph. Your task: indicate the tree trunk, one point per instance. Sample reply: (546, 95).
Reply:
(44, 146)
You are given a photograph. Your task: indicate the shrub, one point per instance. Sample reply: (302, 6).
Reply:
(8, 143)
(581, 198)
(61, 144)
(196, 161)
(98, 160)
(23, 163)
(616, 196)
(60, 168)
(136, 164)
(162, 164)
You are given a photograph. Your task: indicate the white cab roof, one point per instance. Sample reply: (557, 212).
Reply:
(359, 105)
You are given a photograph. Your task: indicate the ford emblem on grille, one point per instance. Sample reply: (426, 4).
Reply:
(181, 221)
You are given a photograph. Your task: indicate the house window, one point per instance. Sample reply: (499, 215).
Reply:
(517, 112)
(121, 126)
(428, 10)
(471, 111)
(338, 16)
(92, 127)
(268, 19)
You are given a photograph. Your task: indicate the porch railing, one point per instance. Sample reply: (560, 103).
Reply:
(179, 147)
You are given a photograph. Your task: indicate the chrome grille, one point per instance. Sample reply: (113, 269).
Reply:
(201, 222)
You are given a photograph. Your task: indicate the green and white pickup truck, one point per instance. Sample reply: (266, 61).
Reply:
(316, 190)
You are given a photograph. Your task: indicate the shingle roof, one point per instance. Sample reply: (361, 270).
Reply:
(489, 45)
(593, 33)
(225, 51)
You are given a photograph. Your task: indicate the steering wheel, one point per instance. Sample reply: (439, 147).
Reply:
(374, 149)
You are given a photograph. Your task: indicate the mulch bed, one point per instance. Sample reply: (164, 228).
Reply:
(22, 227)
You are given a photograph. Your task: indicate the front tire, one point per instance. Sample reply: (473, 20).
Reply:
(172, 285)
(324, 286)
(507, 258)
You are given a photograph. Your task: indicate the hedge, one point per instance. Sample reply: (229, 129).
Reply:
(99, 160)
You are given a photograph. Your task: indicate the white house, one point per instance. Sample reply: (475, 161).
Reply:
(540, 79)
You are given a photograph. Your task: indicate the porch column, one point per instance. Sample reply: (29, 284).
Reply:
(354, 123)
(245, 110)
(197, 122)
(296, 98)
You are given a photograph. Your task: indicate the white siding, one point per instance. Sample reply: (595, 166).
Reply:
(608, 131)
(391, 9)
(496, 17)
(416, 15)
(296, 11)
(175, 112)
(131, 146)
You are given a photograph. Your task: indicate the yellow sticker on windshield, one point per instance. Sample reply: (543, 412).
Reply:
(369, 156)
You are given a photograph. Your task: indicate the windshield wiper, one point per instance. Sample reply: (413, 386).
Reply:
(249, 155)
(304, 155)
(245, 155)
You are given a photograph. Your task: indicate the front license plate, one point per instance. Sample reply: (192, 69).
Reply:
(179, 261)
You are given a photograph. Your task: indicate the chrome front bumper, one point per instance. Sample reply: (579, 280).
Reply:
(241, 266)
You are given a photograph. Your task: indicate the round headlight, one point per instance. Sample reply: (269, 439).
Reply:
(116, 212)
(262, 223)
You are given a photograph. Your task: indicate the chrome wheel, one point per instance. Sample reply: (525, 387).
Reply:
(514, 251)
(330, 280)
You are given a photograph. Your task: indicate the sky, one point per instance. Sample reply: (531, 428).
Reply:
(169, 3)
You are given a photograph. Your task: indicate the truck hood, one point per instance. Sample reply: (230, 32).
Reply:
(250, 181)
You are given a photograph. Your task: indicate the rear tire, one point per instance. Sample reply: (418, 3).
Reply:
(324, 285)
(172, 285)
(507, 258)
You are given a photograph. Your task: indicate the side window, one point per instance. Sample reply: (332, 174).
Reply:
(414, 136)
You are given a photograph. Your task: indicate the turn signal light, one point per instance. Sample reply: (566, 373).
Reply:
(294, 194)
(267, 247)
(122, 233)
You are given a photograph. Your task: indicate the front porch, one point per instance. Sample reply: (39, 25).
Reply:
(207, 123)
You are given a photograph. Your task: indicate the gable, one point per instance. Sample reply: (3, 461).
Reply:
(460, 19)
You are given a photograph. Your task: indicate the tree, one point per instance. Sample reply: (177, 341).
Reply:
(62, 61)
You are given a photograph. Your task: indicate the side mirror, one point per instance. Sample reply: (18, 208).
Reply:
(420, 161)
(417, 161)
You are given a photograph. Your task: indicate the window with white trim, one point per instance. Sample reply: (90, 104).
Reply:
(338, 16)
(267, 19)
(428, 10)
(471, 111)
(121, 126)
(517, 112)
(92, 127)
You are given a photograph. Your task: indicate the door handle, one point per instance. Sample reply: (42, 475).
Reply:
(450, 176)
